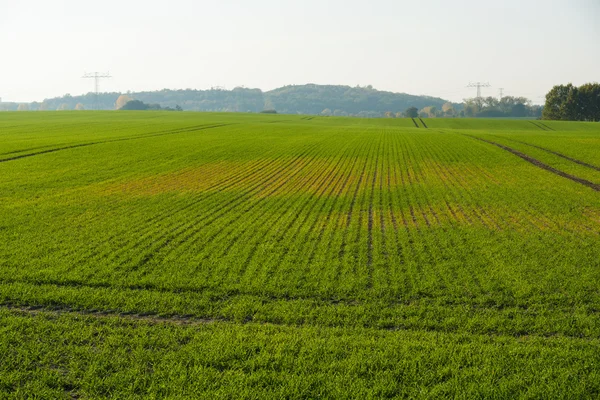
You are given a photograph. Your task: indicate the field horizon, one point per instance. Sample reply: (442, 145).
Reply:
(231, 255)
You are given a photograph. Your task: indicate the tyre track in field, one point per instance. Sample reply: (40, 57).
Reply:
(540, 164)
(191, 320)
(541, 126)
(415, 122)
(576, 161)
(529, 218)
(533, 218)
(423, 122)
(63, 144)
(142, 136)
(537, 220)
(476, 209)
(545, 126)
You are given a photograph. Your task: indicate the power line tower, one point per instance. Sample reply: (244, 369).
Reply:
(478, 85)
(501, 93)
(96, 76)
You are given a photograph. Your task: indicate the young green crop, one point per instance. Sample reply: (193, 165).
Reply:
(336, 230)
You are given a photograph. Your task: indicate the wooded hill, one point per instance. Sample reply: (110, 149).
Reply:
(296, 99)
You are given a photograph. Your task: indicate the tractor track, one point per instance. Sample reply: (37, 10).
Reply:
(142, 136)
(576, 161)
(541, 165)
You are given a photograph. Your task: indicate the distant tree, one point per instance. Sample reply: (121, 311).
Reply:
(63, 107)
(326, 111)
(431, 111)
(122, 100)
(23, 107)
(271, 111)
(399, 114)
(536, 111)
(491, 113)
(448, 110)
(79, 107)
(411, 112)
(44, 106)
(571, 103)
(470, 110)
(589, 101)
(518, 110)
(389, 114)
(556, 102)
(135, 105)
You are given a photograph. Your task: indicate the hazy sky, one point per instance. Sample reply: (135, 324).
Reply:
(420, 47)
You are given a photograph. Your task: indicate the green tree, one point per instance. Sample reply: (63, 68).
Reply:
(518, 110)
(136, 105)
(556, 102)
(411, 112)
(589, 101)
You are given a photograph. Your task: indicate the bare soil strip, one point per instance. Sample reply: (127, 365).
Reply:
(576, 161)
(541, 165)
(189, 320)
(143, 317)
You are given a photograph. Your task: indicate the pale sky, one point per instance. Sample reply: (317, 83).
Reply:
(419, 47)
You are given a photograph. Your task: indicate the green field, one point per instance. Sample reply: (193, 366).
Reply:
(184, 255)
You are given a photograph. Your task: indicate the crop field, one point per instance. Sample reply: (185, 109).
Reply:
(157, 254)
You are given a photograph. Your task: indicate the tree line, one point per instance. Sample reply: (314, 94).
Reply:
(572, 103)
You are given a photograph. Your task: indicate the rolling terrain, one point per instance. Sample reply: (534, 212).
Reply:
(244, 256)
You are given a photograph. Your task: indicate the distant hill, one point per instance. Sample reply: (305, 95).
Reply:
(344, 100)
(296, 99)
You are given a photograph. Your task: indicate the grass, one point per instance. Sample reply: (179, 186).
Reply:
(286, 256)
